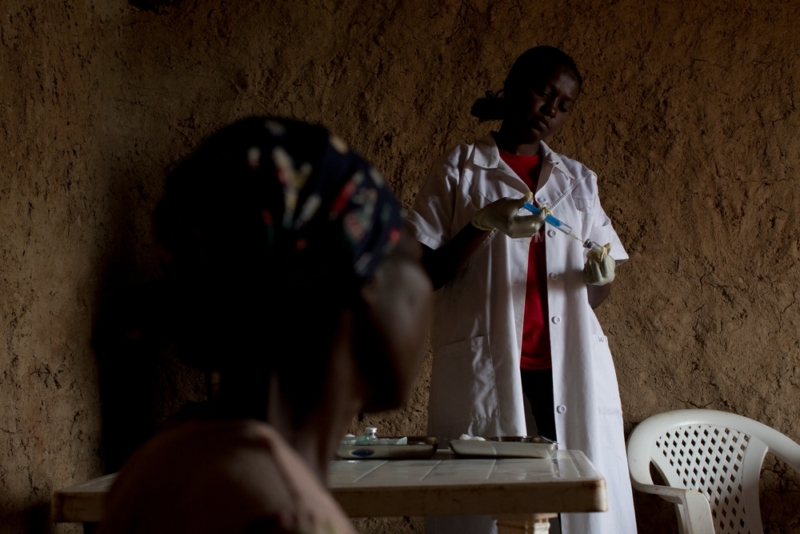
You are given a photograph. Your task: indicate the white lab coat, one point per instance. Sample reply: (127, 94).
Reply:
(477, 328)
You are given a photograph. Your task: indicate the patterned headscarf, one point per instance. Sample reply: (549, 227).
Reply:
(295, 184)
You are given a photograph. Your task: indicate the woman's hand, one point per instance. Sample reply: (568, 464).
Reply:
(599, 267)
(503, 215)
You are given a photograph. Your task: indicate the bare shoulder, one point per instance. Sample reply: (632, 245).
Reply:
(249, 470)
(221, 476)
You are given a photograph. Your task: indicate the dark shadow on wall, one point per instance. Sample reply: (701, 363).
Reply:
(31, 519)
(153, 5)
(142, 382)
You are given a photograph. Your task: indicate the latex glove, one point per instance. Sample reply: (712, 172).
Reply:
(599, 268)
(502, 215)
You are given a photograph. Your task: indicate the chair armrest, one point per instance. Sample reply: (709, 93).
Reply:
(697, 511)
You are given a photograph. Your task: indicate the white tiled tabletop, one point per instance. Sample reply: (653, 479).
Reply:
(443, 485)
(451, 486)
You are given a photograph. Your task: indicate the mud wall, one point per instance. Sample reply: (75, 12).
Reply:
(688, 117)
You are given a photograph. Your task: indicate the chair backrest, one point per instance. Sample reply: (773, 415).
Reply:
(716, 453)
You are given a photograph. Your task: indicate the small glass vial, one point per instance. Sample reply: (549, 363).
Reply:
(370, 436)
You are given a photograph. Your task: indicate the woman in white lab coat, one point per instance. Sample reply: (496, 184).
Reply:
(514, 308)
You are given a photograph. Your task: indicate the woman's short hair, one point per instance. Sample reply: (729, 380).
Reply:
(528, 69)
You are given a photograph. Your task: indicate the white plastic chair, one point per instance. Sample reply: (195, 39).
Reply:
(711, 462)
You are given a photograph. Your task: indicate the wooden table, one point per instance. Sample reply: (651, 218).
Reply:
(521, 493)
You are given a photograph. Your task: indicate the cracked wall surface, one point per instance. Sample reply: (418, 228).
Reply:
(688, 117)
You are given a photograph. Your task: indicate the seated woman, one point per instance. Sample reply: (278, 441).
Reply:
(294, 281)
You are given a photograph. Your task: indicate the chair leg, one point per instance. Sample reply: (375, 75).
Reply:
(524, 524)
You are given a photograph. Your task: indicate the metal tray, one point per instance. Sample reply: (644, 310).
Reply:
(505, 447)
(418, 447)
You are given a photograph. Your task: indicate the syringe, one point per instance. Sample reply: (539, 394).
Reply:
(567, 229)
(555, 223)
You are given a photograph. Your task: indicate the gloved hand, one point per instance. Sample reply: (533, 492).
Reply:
(599, 268)
(502, 215)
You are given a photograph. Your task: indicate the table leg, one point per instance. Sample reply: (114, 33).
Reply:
(524, 524)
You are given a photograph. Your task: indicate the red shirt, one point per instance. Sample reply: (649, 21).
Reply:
(535, 332)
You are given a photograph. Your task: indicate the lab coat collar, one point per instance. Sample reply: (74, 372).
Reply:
(487, 155)
(554, 158)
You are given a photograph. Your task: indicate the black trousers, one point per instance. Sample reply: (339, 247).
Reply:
(538, 389)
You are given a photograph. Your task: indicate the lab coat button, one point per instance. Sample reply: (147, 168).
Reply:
(561, 408)
(556, 320)
(551, 233)
(541, 200)
(553, 276)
